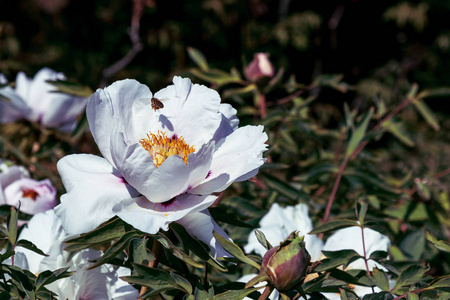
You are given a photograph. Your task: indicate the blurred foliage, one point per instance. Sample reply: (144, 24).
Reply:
(360, 95)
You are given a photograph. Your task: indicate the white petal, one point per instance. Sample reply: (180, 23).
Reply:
(93, 188)
(237, 159)
(279, 222)
(14, 107)
(351, 238)
(171, 179)
(192, 111)
(111, 106)
(43, 230)
(150, 217)
(201, 225)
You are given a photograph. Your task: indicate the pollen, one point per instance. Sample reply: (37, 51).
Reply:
(161, 147)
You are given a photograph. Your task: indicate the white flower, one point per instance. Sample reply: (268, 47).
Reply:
(160, 165)
(279, 222)
(351, 238)
(29, 195)
(46, 232)
(36, 100)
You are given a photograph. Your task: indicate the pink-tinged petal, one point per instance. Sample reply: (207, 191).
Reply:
(12, 106)
(31, 196)
(150, 217)
(110, 106)
(93, 187)
(201, 225)
(192, 111)
(238, 158)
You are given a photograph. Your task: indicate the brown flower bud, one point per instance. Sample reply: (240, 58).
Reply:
(287, 263)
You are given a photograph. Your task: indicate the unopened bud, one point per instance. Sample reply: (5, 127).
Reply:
(287, 263)
(259, 67)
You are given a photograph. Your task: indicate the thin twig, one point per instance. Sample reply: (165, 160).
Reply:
(335, 187)
(138, 9)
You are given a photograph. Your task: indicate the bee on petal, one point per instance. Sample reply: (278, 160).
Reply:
(156, 104)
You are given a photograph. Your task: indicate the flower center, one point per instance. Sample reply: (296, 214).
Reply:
(161, 147)
(29, 194)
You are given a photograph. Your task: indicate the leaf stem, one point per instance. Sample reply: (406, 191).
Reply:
(157, 252)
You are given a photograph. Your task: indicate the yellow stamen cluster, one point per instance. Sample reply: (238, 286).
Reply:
(161, 147)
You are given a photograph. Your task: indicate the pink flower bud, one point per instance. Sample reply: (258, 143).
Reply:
(287, 263)
(259, 67)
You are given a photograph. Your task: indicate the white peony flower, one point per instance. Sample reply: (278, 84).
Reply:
(46, 232)
(163, 158)
(18, 190)
(351, 238)
(279, 222)
(36, 100)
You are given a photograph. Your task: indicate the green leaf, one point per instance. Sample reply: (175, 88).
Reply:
(48, 277)
(379, 296)
(116, 248)
(198, 58)
(182, 282)
(12, 225)
(337, 258)
(6, 255)
(440, 244)
(257, 279)
(17, 274)
(398, 130)
(72, 88)
(436, 92)
(412, 296)
(196, 247)
(281, 187)
(441, 283)
(343, 294)
(409, 276)
(241, 91)
(362, 212)
(219, 214)
(334, 225)
(359, 133)
(30, 246)
(426, 113)
(164, 240)
(378, 255)
(234, 294)
(157, 280)
(413, 245)
(381, 279)
(139, 251)
(323, 284)
(234, 250)
(215, 76)
(109, 230)
(262, 239)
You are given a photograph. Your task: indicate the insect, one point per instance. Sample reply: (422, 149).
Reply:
(156, 104)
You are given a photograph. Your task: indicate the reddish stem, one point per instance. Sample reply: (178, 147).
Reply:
(335, 187)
